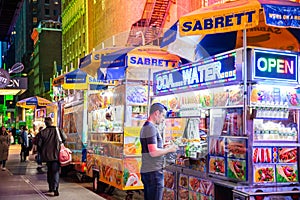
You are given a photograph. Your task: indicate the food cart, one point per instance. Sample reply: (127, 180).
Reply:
(243, 142)
(117, 113)
(69, 113)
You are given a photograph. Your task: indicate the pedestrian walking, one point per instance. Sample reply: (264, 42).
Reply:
(24, 141)
(153, 152)
(49, 147)
(4, 147)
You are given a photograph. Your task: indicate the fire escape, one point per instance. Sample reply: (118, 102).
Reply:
(149, 27)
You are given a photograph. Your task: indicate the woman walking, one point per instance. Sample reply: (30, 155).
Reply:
(4, 146)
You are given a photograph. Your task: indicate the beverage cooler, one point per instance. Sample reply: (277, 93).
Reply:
(237, 126)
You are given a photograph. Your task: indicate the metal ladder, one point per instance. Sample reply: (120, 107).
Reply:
(151, 24)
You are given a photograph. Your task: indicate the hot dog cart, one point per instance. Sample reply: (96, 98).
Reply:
(237, 126)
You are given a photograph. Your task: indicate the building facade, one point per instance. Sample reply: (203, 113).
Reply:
(91, 25)
(47, 54)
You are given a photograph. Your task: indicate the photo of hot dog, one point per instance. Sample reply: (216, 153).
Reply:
(217, 146)
(287, 155)
(262, 155)
(236, 148)
(194, 183)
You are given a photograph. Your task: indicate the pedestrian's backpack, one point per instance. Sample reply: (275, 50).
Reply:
(65, 154)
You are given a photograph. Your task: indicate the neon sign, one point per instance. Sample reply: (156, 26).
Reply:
(200, 75)
(275, 66)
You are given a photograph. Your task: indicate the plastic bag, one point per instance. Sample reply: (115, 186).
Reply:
(65, 155)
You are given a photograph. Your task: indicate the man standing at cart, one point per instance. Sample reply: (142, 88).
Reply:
(153, 152)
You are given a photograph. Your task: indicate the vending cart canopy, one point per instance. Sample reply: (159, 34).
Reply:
(33, 102)
(239, 15)
(134, 62)
(91, 62)
(202, 43)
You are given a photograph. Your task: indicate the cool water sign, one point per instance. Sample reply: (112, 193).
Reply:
(275, 66)
(211, 72)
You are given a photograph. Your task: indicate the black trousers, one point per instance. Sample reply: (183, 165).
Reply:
(53, 174)
(24, 153)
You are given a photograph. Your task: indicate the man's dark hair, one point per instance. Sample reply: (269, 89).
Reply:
(157, 106)
(48, 121)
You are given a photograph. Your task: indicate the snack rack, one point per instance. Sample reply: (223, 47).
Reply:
(252, 123)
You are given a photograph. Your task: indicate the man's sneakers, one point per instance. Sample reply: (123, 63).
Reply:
(3, 168)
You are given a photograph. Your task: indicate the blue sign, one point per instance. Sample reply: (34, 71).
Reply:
(282, 16)
(76, 76)
(200, 75)
(85, 61)
(275, 66)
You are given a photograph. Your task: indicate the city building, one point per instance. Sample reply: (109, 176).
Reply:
(46, 56)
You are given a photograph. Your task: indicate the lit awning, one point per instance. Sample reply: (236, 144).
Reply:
(76, 79)
(135, 62)
(90, 63)
(239, 15)
(33, 102)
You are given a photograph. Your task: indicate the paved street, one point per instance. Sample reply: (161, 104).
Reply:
(23, 181)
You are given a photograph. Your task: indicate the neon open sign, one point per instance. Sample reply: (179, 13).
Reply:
(275, 66)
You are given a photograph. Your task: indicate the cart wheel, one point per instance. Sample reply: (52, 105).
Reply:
(110, 190)
(129, 196)
(102, 186)
(96, 182)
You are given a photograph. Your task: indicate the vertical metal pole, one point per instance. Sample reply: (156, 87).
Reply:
(149, 88)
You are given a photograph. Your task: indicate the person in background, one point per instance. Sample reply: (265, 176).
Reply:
(24, 144)
(36, 151)
(48, 145)
(4, 147)
(14, 134)
(153, 152)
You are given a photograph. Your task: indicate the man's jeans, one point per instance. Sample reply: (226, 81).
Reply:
(53, 174)
(153, 185)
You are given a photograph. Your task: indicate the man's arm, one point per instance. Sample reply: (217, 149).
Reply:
(156, 152)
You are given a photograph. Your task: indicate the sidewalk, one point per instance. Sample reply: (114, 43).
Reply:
(22, 181)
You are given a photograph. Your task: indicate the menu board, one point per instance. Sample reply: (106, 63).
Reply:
(275, 164)
(228, 157)
(169, 185)
(191, 187)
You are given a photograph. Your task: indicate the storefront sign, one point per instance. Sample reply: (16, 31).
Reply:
(17, 83)
(219, 70)
(139, 61)
(275, 66)
(4, 78)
